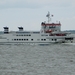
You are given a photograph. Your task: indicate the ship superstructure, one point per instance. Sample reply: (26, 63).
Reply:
(49, 33)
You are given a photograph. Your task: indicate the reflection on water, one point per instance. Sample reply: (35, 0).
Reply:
(55, 59)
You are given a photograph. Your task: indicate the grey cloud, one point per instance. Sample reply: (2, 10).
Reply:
(34, 3)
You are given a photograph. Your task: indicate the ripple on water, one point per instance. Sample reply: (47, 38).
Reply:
(57, 59)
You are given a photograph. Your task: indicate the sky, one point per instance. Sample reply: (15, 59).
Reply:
(30, 13)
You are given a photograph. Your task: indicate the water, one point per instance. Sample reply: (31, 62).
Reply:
(55, 59)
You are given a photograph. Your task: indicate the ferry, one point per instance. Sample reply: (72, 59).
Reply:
(49, 33)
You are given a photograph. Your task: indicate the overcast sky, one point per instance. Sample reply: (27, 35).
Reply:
(30, 13)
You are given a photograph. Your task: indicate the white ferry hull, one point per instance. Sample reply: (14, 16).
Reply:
(32, 39)
(34, 43)
(22, 43)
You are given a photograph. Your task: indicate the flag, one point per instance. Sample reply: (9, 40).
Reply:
(52, 15)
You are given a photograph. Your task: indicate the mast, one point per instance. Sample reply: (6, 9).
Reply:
(48, 15)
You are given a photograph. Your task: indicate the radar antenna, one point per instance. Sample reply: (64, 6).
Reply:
(49, 16)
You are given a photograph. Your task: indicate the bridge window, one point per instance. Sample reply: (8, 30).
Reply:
(31, 39)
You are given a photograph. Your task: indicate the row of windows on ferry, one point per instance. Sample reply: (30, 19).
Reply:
(30, 35)
(49, 27)
(27, 39)
(32, 39)
(46, 35)
(23, 35)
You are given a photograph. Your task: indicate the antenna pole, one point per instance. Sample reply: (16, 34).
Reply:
(48, 15)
